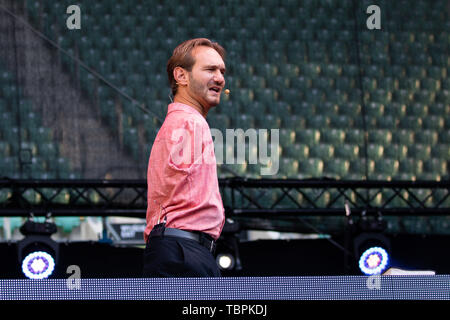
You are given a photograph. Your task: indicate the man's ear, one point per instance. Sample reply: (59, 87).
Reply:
(180, 75)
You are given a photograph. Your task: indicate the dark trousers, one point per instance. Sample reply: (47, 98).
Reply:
(168, 256)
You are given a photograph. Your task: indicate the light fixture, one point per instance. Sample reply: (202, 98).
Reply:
(227, 247)
(37, 252)
(38, 265)
(372, 251)
(374, 261)
(225, 261)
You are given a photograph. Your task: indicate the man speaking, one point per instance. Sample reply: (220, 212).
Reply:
(185, 213)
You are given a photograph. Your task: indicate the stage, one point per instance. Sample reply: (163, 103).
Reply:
(435, 287)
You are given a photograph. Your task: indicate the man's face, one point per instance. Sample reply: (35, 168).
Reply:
(206, 80)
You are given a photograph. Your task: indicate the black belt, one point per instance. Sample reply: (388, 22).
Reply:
(201, 237)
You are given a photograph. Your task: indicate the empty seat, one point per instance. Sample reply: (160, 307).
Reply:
(341, 121)
(318, 122)
(337, 167)
(424, 96)
(411, 166)
(388, 122)
(381, 96)
(410, 122)
(269, 121)
(295, 122)
(308, 137)
(333, 136)
(304, 109)
(396, 151)
(419, 151)
(354, 136)
(245, 121)
(441, 151)
(426, 137)
(287, 137)
(311, 167)
(375, 151)
(387, 166)
(359, 166)
(289, 167)
(379, 136)
(375, 109)
(297, 151)
(322, 151)
(436, 166)
(347, 151)
(402, 96)
(395, 109)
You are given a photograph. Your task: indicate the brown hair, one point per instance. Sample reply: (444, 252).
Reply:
(182, 57)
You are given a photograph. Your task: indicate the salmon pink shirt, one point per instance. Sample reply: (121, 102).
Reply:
(183, 188)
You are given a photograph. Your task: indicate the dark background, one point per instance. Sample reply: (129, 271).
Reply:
(258, 258)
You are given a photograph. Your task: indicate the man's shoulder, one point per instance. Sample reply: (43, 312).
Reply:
(183, 118)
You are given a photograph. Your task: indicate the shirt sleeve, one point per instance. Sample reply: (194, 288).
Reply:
(186, 145)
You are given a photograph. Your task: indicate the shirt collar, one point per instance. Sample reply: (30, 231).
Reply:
(177, 106)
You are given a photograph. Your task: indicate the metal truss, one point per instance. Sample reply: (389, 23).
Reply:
(328, 197)
(282, 205)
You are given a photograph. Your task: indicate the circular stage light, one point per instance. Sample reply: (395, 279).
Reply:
(38, 265)
(225, 261)
(373, 261)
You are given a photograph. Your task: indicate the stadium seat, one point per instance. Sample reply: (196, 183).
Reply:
(297, 151)
(359, 166)
(287, 137)
(350, 109)
(296, 121)
(245, 121)
(395, 109)
(334, 137)
(347, 151)
(354, 136)
(396, 151)
(337, 167)
(403, 137)
(379, 136)
(341, 121)
(402, 96)
(311, 167)
(443, 96)
(289, 167)
(419, 151)
(318, 122)
(322, 151)
(387, 166)
(375, 151)
(388, 122)
(375, 109)
(308, 137)
(435, 166)
(269, 121)
(410, 122)
(426, 137)
(411, 166)
(441, 151)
